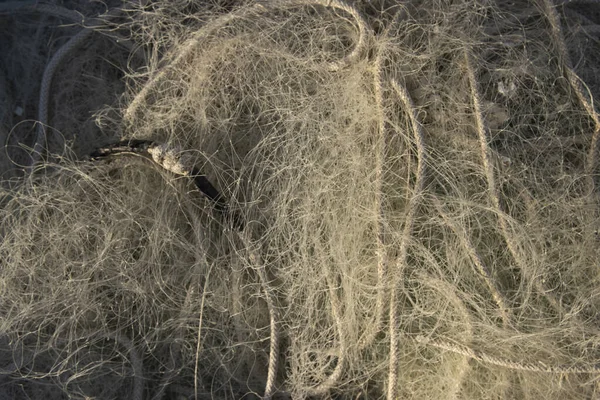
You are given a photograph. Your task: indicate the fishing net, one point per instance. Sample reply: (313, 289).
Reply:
(415, 185)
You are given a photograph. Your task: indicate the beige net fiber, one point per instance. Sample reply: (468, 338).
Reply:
(418, 185)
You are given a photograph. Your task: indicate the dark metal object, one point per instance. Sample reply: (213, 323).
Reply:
(142, 147)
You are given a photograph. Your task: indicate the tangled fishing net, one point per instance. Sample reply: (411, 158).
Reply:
(417, 183)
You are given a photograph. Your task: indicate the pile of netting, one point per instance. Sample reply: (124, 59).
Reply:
(418, 189)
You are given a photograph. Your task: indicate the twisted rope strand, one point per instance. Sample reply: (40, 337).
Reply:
(49, 72)
(259, 267)
(324, 387)
(382, 256)
(494, 196)
(411, 210)
(478, 263)
(585, 99)
(457, 348)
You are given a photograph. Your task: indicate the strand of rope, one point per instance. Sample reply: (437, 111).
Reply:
(584, 97)
(382, 256)
(448, 291)
(488, 165)
(448, 345)
(330, 382)
(481, 269)
(259, 267)
(49, 72)
(411, 209)
(55, 61)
